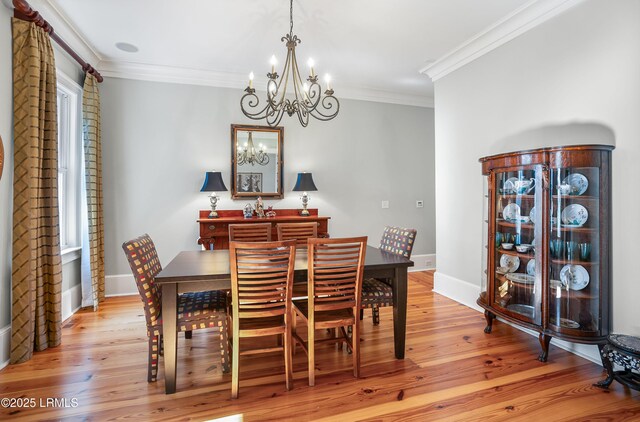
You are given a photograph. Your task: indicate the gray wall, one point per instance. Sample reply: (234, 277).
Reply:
(574, 79)
(160, 138)
(6, 131)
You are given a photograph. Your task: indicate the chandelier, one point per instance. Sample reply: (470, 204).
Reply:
(247, 154)
(305, 99)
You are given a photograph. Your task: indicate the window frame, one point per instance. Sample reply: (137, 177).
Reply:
(70, 126)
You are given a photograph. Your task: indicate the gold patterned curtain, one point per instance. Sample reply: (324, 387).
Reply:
(36, 268)
(93, 182)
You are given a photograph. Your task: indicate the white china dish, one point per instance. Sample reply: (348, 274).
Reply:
(510, 261)
(522, 248)
(574, 215)
(511, 212)
(578, 183)
(531, 267)
(507, 246)
(565, 323)
(521, 278)
(575, 276)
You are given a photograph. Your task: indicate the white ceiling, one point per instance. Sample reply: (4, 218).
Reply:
(371, 48)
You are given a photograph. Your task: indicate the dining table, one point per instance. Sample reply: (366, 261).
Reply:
(192, 271)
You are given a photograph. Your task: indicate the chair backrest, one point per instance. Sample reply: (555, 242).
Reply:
(299, 232)
(335, 273)
(398, 240)
(145, 265)
(261, 278)
(258, 232)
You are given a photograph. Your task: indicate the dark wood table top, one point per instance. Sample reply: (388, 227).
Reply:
(214, 265)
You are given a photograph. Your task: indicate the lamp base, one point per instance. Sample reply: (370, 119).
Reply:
(305, 213)
(213, 214)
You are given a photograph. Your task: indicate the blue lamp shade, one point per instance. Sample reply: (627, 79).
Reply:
(305, 183)
(213, 182)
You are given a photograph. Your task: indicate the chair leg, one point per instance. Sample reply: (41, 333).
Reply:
(375, 313)
(355, 345)
(188, 334)
(161, 345)
(312, 350)
(293, 330)
(235, 365)
(361, 314)
(152, 369)
(224, 346)
(288, 358)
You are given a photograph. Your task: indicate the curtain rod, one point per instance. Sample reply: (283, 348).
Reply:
(22, 10)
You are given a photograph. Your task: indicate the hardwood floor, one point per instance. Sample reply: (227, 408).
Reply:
(452, 371)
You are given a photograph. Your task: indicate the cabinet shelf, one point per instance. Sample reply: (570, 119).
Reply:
(574, 262)
(516, 253)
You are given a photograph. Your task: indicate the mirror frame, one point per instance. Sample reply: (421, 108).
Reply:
(279, 165)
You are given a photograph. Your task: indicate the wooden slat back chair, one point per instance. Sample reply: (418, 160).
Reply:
(261, 288)
(334, 286)
(195, 310)
(299, 232)
(258, 232)
(378, 293)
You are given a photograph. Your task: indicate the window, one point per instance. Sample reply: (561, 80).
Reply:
(69, 99)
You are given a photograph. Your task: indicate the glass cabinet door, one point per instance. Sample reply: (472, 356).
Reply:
(574, 239)
(485, 236)
(517, 280)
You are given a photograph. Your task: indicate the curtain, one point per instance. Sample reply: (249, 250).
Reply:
(36, 277)
(93, 224)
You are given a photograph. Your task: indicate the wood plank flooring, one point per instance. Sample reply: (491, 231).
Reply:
(452, 371)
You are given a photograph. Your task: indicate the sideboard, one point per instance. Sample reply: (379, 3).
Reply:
(214, 232)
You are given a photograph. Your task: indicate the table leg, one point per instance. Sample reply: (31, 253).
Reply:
(399, 310)
(169, 322)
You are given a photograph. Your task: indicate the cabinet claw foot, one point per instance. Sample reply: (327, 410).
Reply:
(489, 317)
(544, 340)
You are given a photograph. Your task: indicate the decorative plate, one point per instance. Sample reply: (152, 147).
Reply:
(510, 261)
(511, 212)
(575, 276)
(521, 278)
(526, 310)
(565, 323)
(574, 215)
(531, 267)
(509, 187)
(502, 270)
(578, 183)
(532, 215)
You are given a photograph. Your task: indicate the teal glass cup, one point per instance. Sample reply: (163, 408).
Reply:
(585, 251)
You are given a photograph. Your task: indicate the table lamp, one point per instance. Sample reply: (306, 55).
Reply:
(213, 183)
(305, 184)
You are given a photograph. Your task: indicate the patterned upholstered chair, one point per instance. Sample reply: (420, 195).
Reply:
(195, 310)
(377, 293)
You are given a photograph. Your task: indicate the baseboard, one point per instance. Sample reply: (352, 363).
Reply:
(467, 293)
(423, 262)
(71, 301)
(459, 290)
(5, 345)
(120, 285)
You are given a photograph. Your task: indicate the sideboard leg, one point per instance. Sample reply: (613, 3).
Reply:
(604, 351)
(544, 339)
(489, 317)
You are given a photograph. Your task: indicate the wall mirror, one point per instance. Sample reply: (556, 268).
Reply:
(256, 161)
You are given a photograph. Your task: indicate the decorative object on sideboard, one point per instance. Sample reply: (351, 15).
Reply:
(1, 157)
(248, 211)
(213, 183)
(305, 99)
(247, 153)
(259, 208)
(270, 212)
(305, 184)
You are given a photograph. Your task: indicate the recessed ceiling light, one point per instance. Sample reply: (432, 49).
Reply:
(125, 46)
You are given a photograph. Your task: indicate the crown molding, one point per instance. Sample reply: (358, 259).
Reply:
(181, 75)
(516, 23)
(65, 29)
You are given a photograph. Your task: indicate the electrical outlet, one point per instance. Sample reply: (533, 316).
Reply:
(385, 204)
(429, 263)
(420, 204)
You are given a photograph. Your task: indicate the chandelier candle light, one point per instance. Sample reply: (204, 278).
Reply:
(305, 99)
(249, 155)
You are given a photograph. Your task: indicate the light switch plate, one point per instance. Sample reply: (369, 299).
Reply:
(385, 204)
